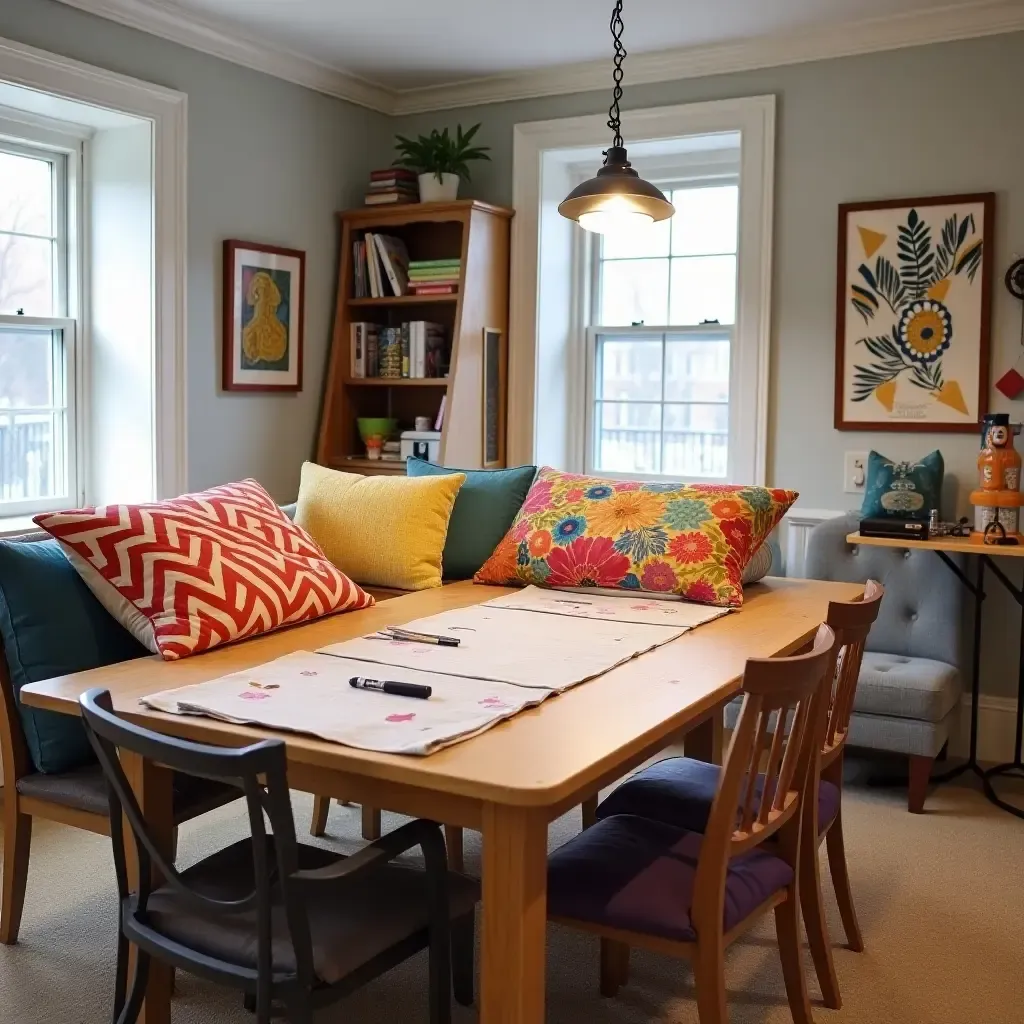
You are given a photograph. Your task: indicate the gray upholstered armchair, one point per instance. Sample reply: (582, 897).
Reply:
(909, 692)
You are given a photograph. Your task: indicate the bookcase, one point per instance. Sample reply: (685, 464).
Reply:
(478, 234)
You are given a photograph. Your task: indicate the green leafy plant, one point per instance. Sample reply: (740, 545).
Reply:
(440, 153)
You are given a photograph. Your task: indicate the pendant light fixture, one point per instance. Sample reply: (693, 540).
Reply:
(617, 198)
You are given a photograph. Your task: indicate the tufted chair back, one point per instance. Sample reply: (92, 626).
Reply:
(921, 612)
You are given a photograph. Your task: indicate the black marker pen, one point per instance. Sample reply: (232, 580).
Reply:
(386, 686)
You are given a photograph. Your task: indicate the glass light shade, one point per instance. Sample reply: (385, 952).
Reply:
(617, 197)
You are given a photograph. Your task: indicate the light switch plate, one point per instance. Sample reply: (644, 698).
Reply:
(855, 471)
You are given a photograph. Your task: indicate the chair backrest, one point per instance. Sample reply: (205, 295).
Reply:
(922, 614)
(851, 621)
(259, 771)
(780, 724)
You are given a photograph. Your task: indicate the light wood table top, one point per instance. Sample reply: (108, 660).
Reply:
(537, 757)
(957, 545)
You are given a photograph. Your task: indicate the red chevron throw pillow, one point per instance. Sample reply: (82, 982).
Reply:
(204, 569)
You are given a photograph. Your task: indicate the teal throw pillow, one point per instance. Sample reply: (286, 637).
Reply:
(51, 625)
(484, 509)
(903, 489)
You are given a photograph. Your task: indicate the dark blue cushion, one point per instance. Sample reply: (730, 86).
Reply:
(680, 791)
(51, 625)
(629, 872)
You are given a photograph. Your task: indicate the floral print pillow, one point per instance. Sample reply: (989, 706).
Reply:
(693, 540)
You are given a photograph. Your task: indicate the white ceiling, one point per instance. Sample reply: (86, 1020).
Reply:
(406, 44)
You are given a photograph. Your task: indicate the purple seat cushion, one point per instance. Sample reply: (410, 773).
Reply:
(633, 873)
(680, 791)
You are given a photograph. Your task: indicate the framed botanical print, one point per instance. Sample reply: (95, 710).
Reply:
(913, 313)
(264, 311)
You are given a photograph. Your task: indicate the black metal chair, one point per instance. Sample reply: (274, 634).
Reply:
(285, 923)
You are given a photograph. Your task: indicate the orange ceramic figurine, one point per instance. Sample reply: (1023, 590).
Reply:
(999, 462)
(997, 500)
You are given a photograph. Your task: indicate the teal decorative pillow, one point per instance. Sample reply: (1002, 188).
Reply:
(903, 489)
(484, 509)
(50, 625)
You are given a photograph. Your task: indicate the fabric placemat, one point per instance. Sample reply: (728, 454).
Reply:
(309, 693)
(550, 652)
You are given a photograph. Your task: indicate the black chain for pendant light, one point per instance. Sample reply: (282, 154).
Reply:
(620, 55)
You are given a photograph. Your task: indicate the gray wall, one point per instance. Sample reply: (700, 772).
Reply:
(926, 121)
(267, 161)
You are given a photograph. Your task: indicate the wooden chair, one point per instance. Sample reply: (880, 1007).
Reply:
(679, 791)
(284, 923)
(638, 882)
(76, 798)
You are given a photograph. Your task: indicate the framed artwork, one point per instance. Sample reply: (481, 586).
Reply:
(494, 399)
(264, 312)
(913, 313)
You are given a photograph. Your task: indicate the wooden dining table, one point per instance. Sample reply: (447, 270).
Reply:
(508, 783)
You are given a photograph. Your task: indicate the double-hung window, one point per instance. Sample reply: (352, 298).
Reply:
(38, 455)
(661, 342)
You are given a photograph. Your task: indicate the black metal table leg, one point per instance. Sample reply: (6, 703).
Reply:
(1014, 768)
(977, 589)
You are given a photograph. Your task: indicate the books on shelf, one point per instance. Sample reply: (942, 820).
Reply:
(413, 350)
(382, 268)
(434, 277)
(392, 185)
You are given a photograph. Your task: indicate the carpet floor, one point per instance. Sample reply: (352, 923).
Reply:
(940, 898)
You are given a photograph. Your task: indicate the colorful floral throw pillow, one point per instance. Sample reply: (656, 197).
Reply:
(693, 540)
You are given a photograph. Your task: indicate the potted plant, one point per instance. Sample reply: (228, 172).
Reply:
(440, 160)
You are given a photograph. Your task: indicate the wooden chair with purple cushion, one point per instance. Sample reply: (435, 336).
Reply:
(679, 791)
(635, 881)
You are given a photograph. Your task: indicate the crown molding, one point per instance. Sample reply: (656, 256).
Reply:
(959, 21)
(226, 42)
(877, 34)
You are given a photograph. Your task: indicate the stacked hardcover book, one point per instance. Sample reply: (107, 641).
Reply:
(417, 349)
(380, 266)
(392, 185)
(434, 277)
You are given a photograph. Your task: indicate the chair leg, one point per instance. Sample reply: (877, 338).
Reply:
(133, 1007)
(787, 925)
(841, 883)
(321, 808)
(614, 967)
(453, 839)
(298, 1010)
(816, 926)
(17, 843)
(440, 971)
(463, 948)
(371, 822)
(920, 777)
(709, 980)
(588, 810)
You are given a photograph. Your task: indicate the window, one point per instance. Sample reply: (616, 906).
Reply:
(661, 344)
(38, 465)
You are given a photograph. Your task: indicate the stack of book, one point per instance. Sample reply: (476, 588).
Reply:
(380, 266)
(392, 185)
(434, 277)
(417, 349)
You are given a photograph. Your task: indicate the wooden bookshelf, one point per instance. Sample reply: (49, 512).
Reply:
(478, 234)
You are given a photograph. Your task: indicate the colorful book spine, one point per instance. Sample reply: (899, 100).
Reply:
(406, 352)
(432, 289)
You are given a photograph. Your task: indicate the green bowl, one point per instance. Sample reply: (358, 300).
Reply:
(376, 426)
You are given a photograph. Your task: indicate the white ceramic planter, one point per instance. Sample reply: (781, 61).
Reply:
(434, 191)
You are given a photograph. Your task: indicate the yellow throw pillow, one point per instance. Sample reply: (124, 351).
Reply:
(381, 531)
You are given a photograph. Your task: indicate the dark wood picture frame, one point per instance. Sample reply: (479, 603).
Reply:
(987, 201)
(495, 358)
(230, 381)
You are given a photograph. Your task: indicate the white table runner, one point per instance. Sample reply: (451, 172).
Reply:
(508, 645)
(624, 607)
(310, 693)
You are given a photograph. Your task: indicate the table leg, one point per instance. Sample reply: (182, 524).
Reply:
(514, 915)
(153, 787)
(704, 742)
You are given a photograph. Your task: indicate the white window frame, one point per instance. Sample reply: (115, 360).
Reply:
(37, 139)
(590, 283)
(537, 147)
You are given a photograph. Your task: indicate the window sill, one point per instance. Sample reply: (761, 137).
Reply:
(17, 526)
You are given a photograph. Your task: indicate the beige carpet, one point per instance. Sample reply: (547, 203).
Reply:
(941, 901)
